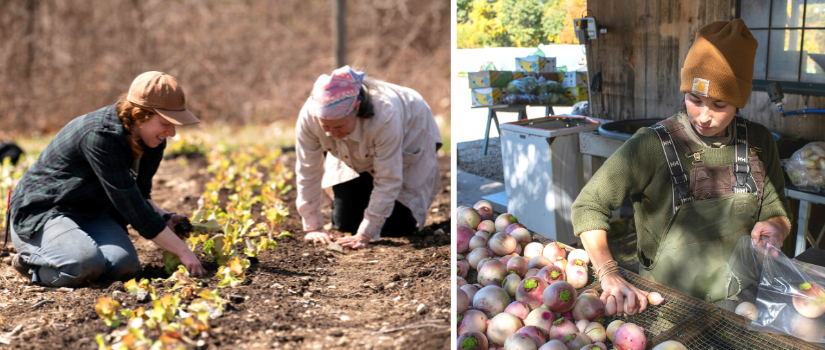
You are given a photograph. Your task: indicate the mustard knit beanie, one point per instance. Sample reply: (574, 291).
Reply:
(720, 63)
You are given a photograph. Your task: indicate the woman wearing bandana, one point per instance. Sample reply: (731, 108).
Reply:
(375, 144)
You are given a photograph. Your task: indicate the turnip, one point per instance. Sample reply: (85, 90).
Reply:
(595, 331)
(568, 315)
(582, 324)
(531, 272)
(521, 235)
(504, 220)
(629, 337)
(469, 217)
(462, 268)
(484, 261)
(551, 274)
(487, 226)
(483, 204)
(519, 249)
(670, 345)
(497, 283)
(577, 341)
(588, 307)
(505, 260)
(470, 290)
(512, 227)
(490, 250)
(519, 341)
(610, 306)
(531, 291)
(476, 255)
(491, 270)
(485, 213)
(807, 329)
(655, 298)
(612, 327)
(472, 341)
(538, 262)
(532, 250)
(561, 263)
(553, 345)
(748, 310)
(591, 291)
(472, 320)
(561, 328)
(460, 281)
(535, 333)
(576, 274)
(560, 296)
(599, 345)
(554, 251)
(502, 243)
(458, 209)
(811, 303)
(463, 236)
(491, 300)
(580, 254)
(502, 326)
(519, 309)
(511, 283)
(482, 234)
(477, 242)
(463, 302)
(517, 265)
(541, 318)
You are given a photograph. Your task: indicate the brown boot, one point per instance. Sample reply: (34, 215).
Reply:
(21, 267)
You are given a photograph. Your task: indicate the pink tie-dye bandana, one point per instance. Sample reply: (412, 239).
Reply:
(335, 96)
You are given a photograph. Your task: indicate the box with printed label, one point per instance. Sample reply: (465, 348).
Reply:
(487, 96)
(574, 79)
(489, 78)
(576, 94)
(536, 64)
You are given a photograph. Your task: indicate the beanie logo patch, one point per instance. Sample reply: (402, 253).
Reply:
(701, 87)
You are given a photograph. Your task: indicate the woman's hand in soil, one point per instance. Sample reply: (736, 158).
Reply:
(174, 220)
(629, 299)
(355, 242)
(772, 231)
(318, 237)
(192, 264)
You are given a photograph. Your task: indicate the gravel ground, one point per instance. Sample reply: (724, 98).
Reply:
(471, 160)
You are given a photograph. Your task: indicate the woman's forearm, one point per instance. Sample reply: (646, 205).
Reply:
(171, 242)
(595, 243)
(156, 207)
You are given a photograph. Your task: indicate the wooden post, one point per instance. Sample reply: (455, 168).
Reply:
(339, 32)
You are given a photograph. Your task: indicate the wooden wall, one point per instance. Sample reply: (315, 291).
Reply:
(643, 52)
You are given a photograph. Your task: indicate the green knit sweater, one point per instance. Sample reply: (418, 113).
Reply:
(638, 170)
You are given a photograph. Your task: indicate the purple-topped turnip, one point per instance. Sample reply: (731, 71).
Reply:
(561, 263)
(519, 341)
(505, 259)
(510, 228)
(591, 291)
(531, 291)
(561, 328)
(485, 213)
(519, 249)
(582, 324)
(511, 283)
(504, 220)
(808, 329)
(463, 236)
(521, 235)
(612, 327)
(595, 331)
(532, 250)
(473, 340)
(517, 265)
(469, 217)
(554, 345)
(487, 226)
(588, 307)
(580, 254)
(568, 315)
(477, 242)
(538, 262)
(554, 251)
(577, 341)
(462, 301)
(470, 290)
(629, 337)
(551, 274)
(502, 243)
(492, 270)
(531, 272)
(482, 234)
(472, 320)
(670, 345)
(811, 303)
(560, 296)
(460, 281)
(599, 345)
(491, 300)
(497, 283)
(541, 318)
(535, 333)
(576, 274)
(476, 255)
(519, 309)
(502, 326)
(483, 204)
(462, 268)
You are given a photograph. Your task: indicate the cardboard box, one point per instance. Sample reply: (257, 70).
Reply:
(558, 77)
(536, 64)
(487, 96)
(490, 78)
(574, 79)
(576, 94)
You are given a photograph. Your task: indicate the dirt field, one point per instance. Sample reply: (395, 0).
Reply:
(394, 294)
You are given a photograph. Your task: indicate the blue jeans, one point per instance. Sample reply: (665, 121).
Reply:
(65, 254)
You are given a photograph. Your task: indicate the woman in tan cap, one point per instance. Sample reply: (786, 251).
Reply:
(70, 209)
(699, 180)
(375, 144)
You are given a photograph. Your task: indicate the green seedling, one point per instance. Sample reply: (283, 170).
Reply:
(107, 310)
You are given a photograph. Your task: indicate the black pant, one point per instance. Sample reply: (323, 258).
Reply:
(353, 197)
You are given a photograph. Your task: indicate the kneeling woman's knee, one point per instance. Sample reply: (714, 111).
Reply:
(85, 267)
(124, 268)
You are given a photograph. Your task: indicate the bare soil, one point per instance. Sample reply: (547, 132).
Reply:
(298, 296)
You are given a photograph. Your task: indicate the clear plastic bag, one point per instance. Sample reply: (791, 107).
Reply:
(526, 85)
(520, 99)
(806, 167)
(788, 295)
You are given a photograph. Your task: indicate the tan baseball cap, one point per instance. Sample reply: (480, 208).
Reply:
(160, 92)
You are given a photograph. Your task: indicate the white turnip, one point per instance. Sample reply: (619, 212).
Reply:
(483, 204)
(612, 327)
(629, 337)
(487, 226)
(531, 291)
(511, 283)
(472, 320)
(473, 340)
(519, 309)
(561, 263)
(576, 274)
(588, 307)
(502, 243)
(519, 341)
(654, 298)
(532, 250)
(582, 324)
(554, 345)
(580, 254)
(490, 271)
(538, 262)
(504, 220)
(462, 301)
(463, 236)
(535, 333)
(554, 251)
(748, 310)
(491, 300)
(595, 331)
(502, 326)
(670, 345)
(560, 296)
(469, 217)
(521, 235)
(476, 255)
(517, 265)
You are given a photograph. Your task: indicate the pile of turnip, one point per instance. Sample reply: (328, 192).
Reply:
(526, 296)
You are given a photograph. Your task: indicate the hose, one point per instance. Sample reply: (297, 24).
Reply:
(806, 111)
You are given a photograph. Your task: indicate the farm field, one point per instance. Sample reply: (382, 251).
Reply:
(393, 294)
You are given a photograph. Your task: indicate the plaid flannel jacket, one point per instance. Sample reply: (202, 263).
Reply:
(84, 173)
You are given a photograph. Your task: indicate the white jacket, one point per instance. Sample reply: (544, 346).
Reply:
(397, 147)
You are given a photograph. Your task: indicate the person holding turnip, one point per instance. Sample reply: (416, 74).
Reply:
(375, 144)
(70, 209)
(699, 180)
